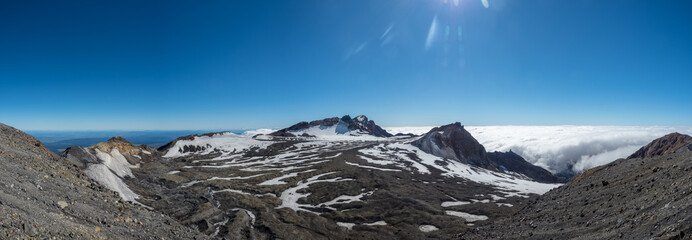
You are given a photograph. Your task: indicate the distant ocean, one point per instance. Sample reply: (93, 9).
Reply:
(58, 141)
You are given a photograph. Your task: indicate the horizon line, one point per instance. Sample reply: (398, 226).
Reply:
(248, 129)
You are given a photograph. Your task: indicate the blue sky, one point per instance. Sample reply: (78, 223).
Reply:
(96, 65)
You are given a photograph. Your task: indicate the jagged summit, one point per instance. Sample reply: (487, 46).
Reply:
(667, 144)
(345, 125)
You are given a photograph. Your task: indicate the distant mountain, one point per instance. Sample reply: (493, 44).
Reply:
(345, 125)
(58, 141)
(452, 141)
(664, 145)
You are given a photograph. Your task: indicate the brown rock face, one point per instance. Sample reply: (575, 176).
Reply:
(124, 147)
(664, 145)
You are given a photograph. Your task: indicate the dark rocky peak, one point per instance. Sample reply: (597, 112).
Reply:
(361, 123)
(454, 142)
(663, 145)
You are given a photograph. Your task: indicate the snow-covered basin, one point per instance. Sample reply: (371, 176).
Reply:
(227, 142)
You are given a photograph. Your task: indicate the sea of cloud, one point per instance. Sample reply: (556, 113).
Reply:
(254, 132)
(563, 148)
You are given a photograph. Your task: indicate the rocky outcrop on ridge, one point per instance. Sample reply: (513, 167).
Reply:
(664, 145)
(190, 148)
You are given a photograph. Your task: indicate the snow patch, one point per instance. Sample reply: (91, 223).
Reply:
(466, 216)
(454, 203)
(116, 162)
(378, 223)
(104, 176)
(376, 168)
(349, 226)
(289, 197)
(427, 228)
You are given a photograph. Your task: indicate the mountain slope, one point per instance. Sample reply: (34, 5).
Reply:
(453, 142)
(512, 162)
(635, 198)
(43, 195)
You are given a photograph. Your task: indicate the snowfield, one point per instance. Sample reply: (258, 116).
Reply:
(398, 153)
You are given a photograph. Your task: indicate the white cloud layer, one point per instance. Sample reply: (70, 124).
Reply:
(254, 132)
(560, 148)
